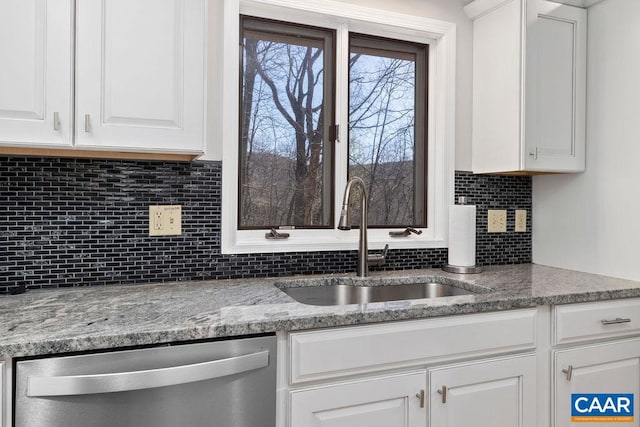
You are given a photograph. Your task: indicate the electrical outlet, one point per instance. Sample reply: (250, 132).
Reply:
(521, 221)
(497, 221)
(165, 220)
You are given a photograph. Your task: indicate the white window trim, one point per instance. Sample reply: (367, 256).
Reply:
(344, 18)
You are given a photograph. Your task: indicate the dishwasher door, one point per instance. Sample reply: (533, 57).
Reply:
(229, 383)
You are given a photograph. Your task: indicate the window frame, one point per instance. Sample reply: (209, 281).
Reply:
(344, 18)
(285, 29)
(421, 111)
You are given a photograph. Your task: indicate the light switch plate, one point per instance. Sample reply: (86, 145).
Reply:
(521, 221)
(496, 221)
(165, 220)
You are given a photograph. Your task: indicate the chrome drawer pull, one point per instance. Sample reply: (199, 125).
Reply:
(443, 392)
(56, 121)
(568, 372)
(87, 123)
(615, 321)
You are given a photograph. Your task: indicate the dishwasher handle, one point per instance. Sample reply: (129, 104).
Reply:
(77, 385)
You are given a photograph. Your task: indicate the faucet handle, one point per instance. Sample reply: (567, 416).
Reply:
(378, 259)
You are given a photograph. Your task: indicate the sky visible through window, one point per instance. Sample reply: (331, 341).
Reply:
(381, 134)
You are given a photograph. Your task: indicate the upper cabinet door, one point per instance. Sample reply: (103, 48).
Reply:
(140, 75)
(529, 86)
(561, 89)
(36, 77)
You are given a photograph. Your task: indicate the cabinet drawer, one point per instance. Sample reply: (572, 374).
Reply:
(316, 355)
(596, 320)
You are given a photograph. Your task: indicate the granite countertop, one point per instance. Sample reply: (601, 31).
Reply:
(89, 318)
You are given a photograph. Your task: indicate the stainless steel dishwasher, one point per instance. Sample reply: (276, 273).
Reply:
(230, 383)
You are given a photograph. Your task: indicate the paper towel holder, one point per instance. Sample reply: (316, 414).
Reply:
(461, 269)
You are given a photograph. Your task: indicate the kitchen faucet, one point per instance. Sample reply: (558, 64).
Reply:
(364, 259)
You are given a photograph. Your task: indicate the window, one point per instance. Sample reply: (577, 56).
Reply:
(286, 112)
(387, 123)
(326, 91)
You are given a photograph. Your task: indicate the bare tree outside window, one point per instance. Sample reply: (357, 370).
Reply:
(387, 128)
(286, 110)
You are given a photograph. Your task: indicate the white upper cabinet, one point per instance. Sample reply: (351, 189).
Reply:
(36, 76)
(140, 75)
(529, 86)
(135, 81)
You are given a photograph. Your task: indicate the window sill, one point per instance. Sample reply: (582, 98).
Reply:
(324, 240)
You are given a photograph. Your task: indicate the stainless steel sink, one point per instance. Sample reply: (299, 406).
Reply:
(336, 293)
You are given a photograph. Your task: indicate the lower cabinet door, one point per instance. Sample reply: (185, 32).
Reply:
(388, 401)
(495, 393)
(611, 368)
(2, 403)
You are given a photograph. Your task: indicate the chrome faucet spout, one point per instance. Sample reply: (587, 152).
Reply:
(362, 269)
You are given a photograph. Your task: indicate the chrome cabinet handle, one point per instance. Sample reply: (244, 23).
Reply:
(615, 321)
(87, 123)
(534, 153)
(56, 121)
(421, 397)
(140, 380)
(568, 372)
(443, 392)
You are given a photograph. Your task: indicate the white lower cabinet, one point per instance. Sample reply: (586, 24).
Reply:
(496, 393)
(376, 375)
(1, 395)
(608, 368)
(388, 401)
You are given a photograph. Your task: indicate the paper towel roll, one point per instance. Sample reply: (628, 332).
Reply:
(462, 235)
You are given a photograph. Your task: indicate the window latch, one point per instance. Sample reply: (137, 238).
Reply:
(334, 133)
(273, 234)
(404, 233)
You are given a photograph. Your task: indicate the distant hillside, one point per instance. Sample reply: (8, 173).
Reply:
(270, 186)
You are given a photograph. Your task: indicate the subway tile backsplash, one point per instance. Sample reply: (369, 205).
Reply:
(76, 222)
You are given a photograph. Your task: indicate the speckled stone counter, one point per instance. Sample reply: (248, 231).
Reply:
(89, 318)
